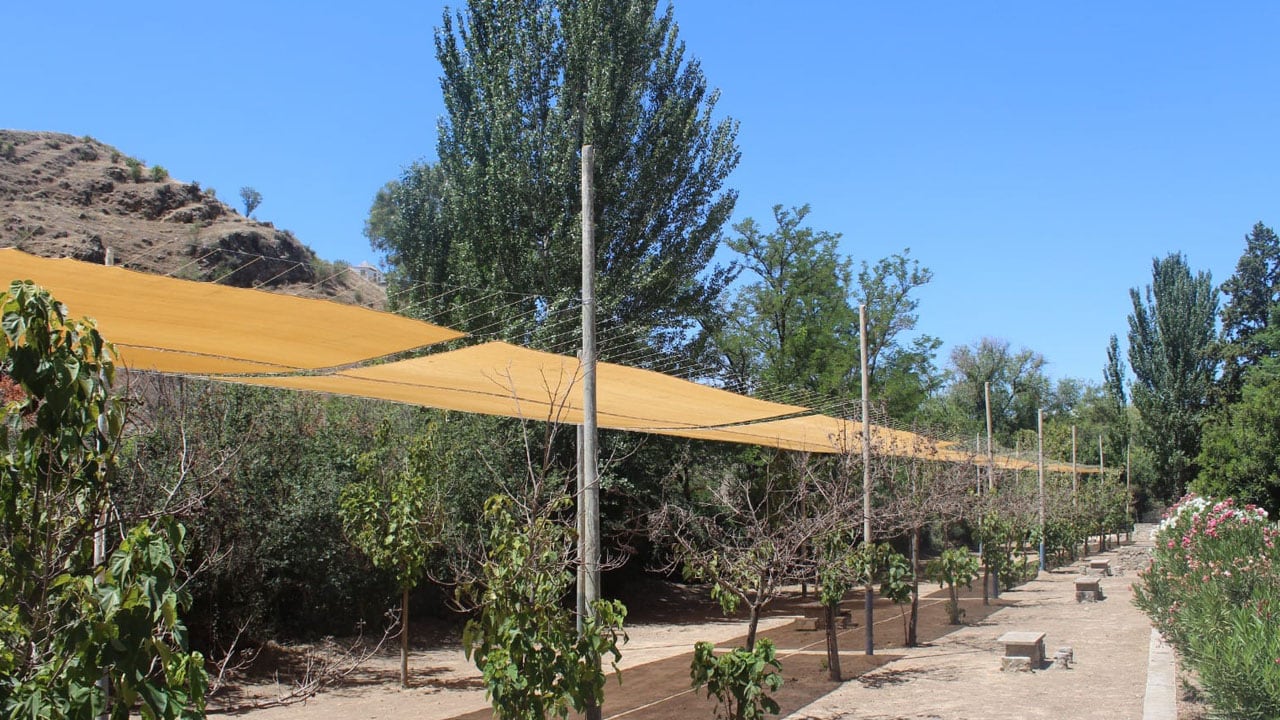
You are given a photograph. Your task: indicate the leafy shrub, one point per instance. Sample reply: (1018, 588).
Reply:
(739, 680)
(69, 615)
(955, 567)
(534, 661)
(135, 168)
(1213, 590)
(159, 173)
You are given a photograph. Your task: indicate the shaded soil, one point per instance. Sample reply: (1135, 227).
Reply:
(660, 689)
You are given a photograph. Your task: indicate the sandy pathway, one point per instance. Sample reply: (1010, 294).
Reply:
(959, 678)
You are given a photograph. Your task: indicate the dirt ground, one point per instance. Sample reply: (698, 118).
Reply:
(955, 674)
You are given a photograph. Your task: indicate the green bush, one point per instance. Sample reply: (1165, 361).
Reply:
(1213, 590)
(159, 173)
(739, 680)
(135, 168)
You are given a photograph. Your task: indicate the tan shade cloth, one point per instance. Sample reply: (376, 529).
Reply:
(500, 379)
(180, 326)
(497, 378)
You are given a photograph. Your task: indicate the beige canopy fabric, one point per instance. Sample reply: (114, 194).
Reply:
(180, 326)
(496, 378)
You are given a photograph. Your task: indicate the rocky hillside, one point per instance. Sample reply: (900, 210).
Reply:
(63, 196)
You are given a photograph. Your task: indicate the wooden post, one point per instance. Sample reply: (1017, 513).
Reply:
(1102, 478)
(1128, 498)
(991, 481)
(869, 601)
(589, 503)
(1040, 465)
(991, 457)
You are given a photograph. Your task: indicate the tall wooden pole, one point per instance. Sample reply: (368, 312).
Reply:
(1040, 464)
(991, 486)
(991, 453)
(589, 503)
(869, 601)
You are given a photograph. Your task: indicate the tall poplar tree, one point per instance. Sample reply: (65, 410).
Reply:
(1251, 293)
(487, 238)
(1171, 336)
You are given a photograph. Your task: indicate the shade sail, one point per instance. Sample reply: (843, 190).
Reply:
(180, 326)
(497, 378)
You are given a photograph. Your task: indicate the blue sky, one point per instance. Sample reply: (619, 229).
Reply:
(1035, 156)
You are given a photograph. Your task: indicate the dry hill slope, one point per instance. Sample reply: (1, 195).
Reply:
(63, 196)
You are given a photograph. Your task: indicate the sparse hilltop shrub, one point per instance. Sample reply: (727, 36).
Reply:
(135, 168)
(159, 173)
(1213, 590)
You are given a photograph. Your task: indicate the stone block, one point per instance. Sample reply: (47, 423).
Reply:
(1024, 644)
(1015, 663)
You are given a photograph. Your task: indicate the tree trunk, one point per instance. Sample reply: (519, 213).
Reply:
(833, 642)
(912, 639)
(404, 638)
(955, 604)
(751, 628)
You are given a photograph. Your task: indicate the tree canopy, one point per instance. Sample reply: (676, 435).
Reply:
(526, 83)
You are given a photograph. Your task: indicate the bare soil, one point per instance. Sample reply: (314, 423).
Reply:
(954, 674)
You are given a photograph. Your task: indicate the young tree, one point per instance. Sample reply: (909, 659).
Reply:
(251, 199)
(394, 515)
(535, 663)
(82, 600)
(1171, 335)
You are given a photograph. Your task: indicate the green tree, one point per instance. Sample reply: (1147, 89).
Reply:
(1171, 335)
(394, 516)
(535, 663)
(526, 83)
(1240, 455)
(792, 328)
(1251, 293)
(1019, 387)
(74, 611)
(251, 199)
(900, 374)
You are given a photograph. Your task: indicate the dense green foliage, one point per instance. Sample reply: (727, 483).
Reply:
(1171, 339)
(258, 478)
(70, 617)
(1213, 590)
(535, 663)
(1252, 293)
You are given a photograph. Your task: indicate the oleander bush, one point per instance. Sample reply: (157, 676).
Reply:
(1213, 590)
